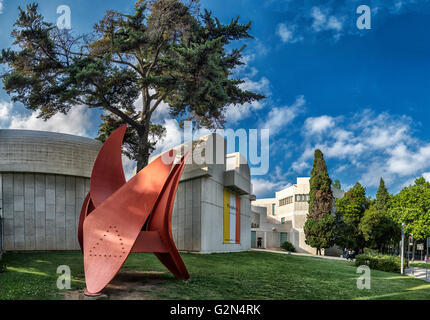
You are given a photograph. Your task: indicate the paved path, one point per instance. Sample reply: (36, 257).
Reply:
(419, 273)
(300, 254)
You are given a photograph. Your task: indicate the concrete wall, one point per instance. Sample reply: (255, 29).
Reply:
(41, 211)
(213, 207)
(269, 228)
(198, 212)
(44, 178)
(198, 216)
(47, 152)
(186, 216)
(269, 239)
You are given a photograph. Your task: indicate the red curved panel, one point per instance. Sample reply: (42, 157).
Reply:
(111, 230)
(161, 221)
(108, 174)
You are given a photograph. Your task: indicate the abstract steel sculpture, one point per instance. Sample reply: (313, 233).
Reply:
(120, 217)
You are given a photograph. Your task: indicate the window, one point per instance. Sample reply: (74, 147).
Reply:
(302, 197)
(283, 220)
(273, 209)
(284, 237)
(286, 201)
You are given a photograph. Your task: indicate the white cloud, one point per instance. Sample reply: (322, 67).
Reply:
(282, 116)
(307, 20)
(319, 124)
(267, 187)
(426, 175)
(319, 19)
(246, 70)
(174, 136)
(1, 6)
(335, 23)
(287, 33)
(129, 167)
(406, 161)
(322, 21)
(263, 85)
(5, 110)
(370, 145)
(77, 121)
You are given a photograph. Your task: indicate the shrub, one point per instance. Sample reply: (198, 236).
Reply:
(379, 262)
(288, 246)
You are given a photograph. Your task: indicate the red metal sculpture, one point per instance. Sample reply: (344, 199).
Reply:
(120, 217)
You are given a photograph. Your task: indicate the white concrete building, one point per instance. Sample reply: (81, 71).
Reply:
(44, 178)
(290, 207)
(212, 210)
(267, 228)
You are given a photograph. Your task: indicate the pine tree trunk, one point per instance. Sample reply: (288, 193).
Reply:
(143, 148)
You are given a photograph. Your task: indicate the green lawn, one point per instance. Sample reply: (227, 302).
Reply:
(246, 275)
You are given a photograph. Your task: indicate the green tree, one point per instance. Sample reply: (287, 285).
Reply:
(412, 206)
(320, 223)
(378, 228)
(382, 197)
(320, 233)
(349, 212)
(166, 51)
(320, 194)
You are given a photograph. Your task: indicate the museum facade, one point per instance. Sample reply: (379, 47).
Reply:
(286, 215)
(44, 178)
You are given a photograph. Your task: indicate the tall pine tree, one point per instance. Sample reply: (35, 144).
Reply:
(163, 52)
(382, 196)
(319, 225)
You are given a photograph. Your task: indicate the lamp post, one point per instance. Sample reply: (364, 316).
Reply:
(402, 249)
(427, 255)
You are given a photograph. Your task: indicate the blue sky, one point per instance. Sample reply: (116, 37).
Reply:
(361, 96)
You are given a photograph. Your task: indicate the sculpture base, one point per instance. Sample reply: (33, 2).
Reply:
(90, 294)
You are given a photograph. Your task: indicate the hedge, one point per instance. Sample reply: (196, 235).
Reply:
(288, 246)
(381, 262)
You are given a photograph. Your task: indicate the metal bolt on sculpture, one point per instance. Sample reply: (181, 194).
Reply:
(120, 217)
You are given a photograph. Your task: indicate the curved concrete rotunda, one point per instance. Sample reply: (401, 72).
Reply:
(44, 177)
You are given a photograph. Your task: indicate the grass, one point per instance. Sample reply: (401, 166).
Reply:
(245, 275)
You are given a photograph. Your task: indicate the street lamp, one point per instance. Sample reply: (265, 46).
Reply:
(402, 248)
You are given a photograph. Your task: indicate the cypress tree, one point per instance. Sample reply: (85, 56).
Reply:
(382, 196)
(320, 223)
(320, 195)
